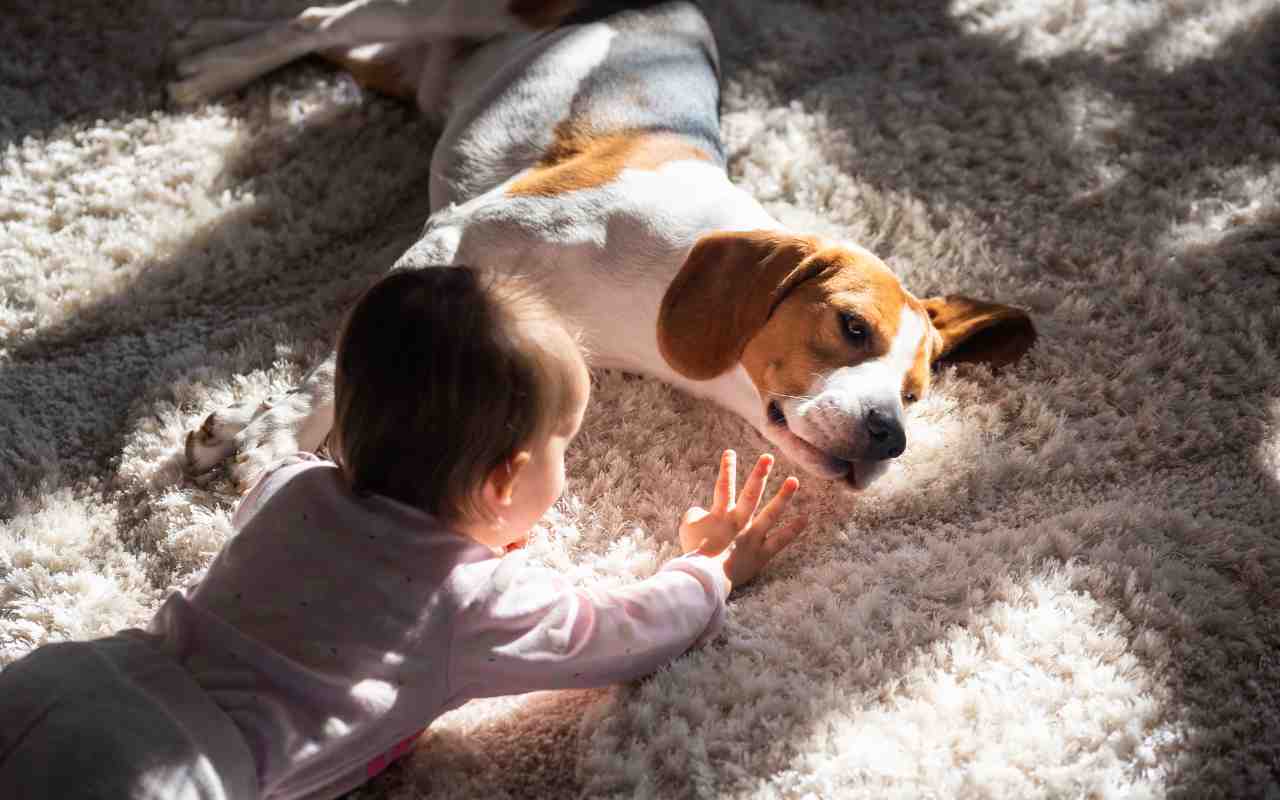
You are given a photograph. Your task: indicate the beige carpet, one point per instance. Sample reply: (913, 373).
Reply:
(1066, 588)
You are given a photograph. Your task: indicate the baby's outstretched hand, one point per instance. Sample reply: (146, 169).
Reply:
(733, 520)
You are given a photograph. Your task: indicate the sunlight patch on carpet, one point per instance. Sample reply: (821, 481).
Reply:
(1034, 696)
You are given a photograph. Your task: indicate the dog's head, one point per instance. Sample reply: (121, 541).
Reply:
(833, 343)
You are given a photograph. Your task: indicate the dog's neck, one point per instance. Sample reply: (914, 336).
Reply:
(583, 246)
(687, 201)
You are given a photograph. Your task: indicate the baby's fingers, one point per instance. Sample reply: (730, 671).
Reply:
(752, 489)
(725, 483)
(769, 515)
(775, 543)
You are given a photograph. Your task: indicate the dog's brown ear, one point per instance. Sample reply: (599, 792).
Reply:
(977, 331)
(729, 285)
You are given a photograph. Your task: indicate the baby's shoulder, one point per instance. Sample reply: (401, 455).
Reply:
(291, 480)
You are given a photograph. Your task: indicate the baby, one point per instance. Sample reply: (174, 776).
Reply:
(361, 598)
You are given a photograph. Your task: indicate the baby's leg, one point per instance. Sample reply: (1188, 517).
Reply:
(115, 718)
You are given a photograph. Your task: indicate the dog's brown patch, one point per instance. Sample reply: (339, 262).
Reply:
(541, 13)
(581, 160)
(391, 71)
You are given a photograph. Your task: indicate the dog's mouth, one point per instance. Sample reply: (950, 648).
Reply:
(855, 474)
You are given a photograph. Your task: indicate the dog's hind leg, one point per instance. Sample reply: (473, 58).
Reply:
(233, 64)
(228, 64)
(414, 71)
(204, 34)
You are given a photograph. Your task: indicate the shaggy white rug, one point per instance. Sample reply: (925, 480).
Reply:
(1067, 586)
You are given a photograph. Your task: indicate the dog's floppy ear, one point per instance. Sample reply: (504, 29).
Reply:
(729, 285)
(978, 331)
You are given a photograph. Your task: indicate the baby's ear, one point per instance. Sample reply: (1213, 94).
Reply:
(500, 486)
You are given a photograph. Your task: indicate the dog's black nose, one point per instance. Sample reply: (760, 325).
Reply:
(888, 440)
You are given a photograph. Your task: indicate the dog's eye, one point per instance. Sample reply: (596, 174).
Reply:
(909, 397)
(855, 330)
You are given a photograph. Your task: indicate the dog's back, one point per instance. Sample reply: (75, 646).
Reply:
(613, 69)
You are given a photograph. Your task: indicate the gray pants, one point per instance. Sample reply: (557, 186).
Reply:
(115, 718)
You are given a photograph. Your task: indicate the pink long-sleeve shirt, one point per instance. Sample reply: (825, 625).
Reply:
(333, 627)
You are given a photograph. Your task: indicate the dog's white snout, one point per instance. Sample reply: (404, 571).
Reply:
(855, 415)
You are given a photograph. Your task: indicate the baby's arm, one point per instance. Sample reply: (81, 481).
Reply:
(523, 629)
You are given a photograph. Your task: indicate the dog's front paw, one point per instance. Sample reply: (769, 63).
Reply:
(253, 436)
(204, 34)
(257, 454)
(277, 430)
(215, 440)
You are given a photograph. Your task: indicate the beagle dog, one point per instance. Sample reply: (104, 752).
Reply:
(581, 147)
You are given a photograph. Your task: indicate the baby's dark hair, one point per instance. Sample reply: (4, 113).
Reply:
(442, 374)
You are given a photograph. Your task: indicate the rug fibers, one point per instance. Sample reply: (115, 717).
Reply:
(1067, 587)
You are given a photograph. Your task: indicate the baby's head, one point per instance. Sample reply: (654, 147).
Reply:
(457, 391)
